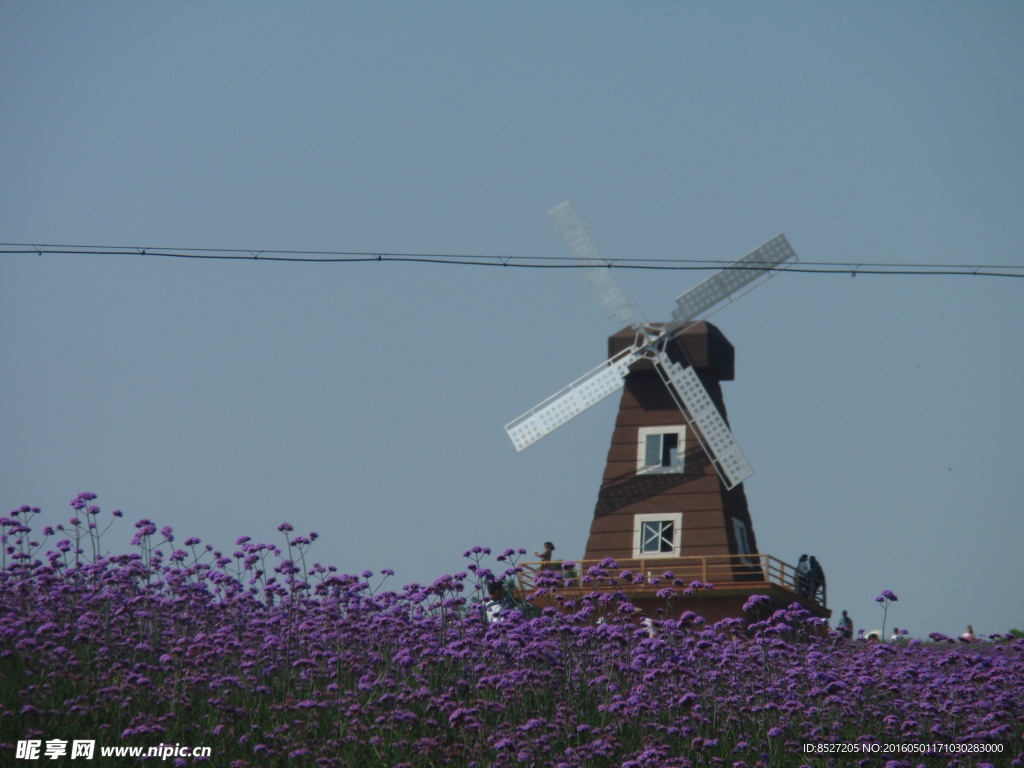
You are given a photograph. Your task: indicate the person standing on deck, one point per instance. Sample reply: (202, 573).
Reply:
(545, 556)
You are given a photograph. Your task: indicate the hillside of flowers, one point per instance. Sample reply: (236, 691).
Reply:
(272, 659)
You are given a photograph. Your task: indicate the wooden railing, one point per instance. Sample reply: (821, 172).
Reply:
(723, 571)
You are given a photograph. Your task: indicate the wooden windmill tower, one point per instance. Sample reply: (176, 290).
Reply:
(661, 497)
(671, 496)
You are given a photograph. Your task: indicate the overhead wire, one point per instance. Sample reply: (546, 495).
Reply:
(520, 262)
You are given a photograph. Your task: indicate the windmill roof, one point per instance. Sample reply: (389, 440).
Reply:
(701, 345)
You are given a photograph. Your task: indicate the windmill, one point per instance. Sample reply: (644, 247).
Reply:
(650, 343)
(672, 493)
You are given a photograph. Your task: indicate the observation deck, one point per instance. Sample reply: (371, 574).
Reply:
(733, 579)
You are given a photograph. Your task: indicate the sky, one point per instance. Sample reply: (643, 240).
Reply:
(367, 401)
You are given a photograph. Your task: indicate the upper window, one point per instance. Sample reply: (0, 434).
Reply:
(660, 449)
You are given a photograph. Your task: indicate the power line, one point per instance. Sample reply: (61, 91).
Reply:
(484, 260)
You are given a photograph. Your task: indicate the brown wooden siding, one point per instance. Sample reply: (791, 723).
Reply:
(624, 521)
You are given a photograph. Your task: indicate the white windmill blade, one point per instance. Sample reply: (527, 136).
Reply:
(609, 292)
(586, 391)
(695, 402)
(748, 272)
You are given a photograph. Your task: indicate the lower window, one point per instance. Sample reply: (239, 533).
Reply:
(657, 535)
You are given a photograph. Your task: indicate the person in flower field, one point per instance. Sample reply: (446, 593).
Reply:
(499, 604)
(968, 636)
(845, 627)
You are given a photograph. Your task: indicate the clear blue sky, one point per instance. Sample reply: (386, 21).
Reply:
(883, 415)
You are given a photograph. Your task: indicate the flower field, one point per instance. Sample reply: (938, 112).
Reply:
(272, 659)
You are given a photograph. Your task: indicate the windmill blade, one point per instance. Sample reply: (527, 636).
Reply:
(695, 402)
(746, 273)
(586, 391)
(582, 247)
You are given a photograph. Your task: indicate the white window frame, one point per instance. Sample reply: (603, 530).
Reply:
(676, 518)
(739, 529)
(642, 468)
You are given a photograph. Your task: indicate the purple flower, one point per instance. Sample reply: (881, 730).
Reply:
(285, 527)
(754, 601)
